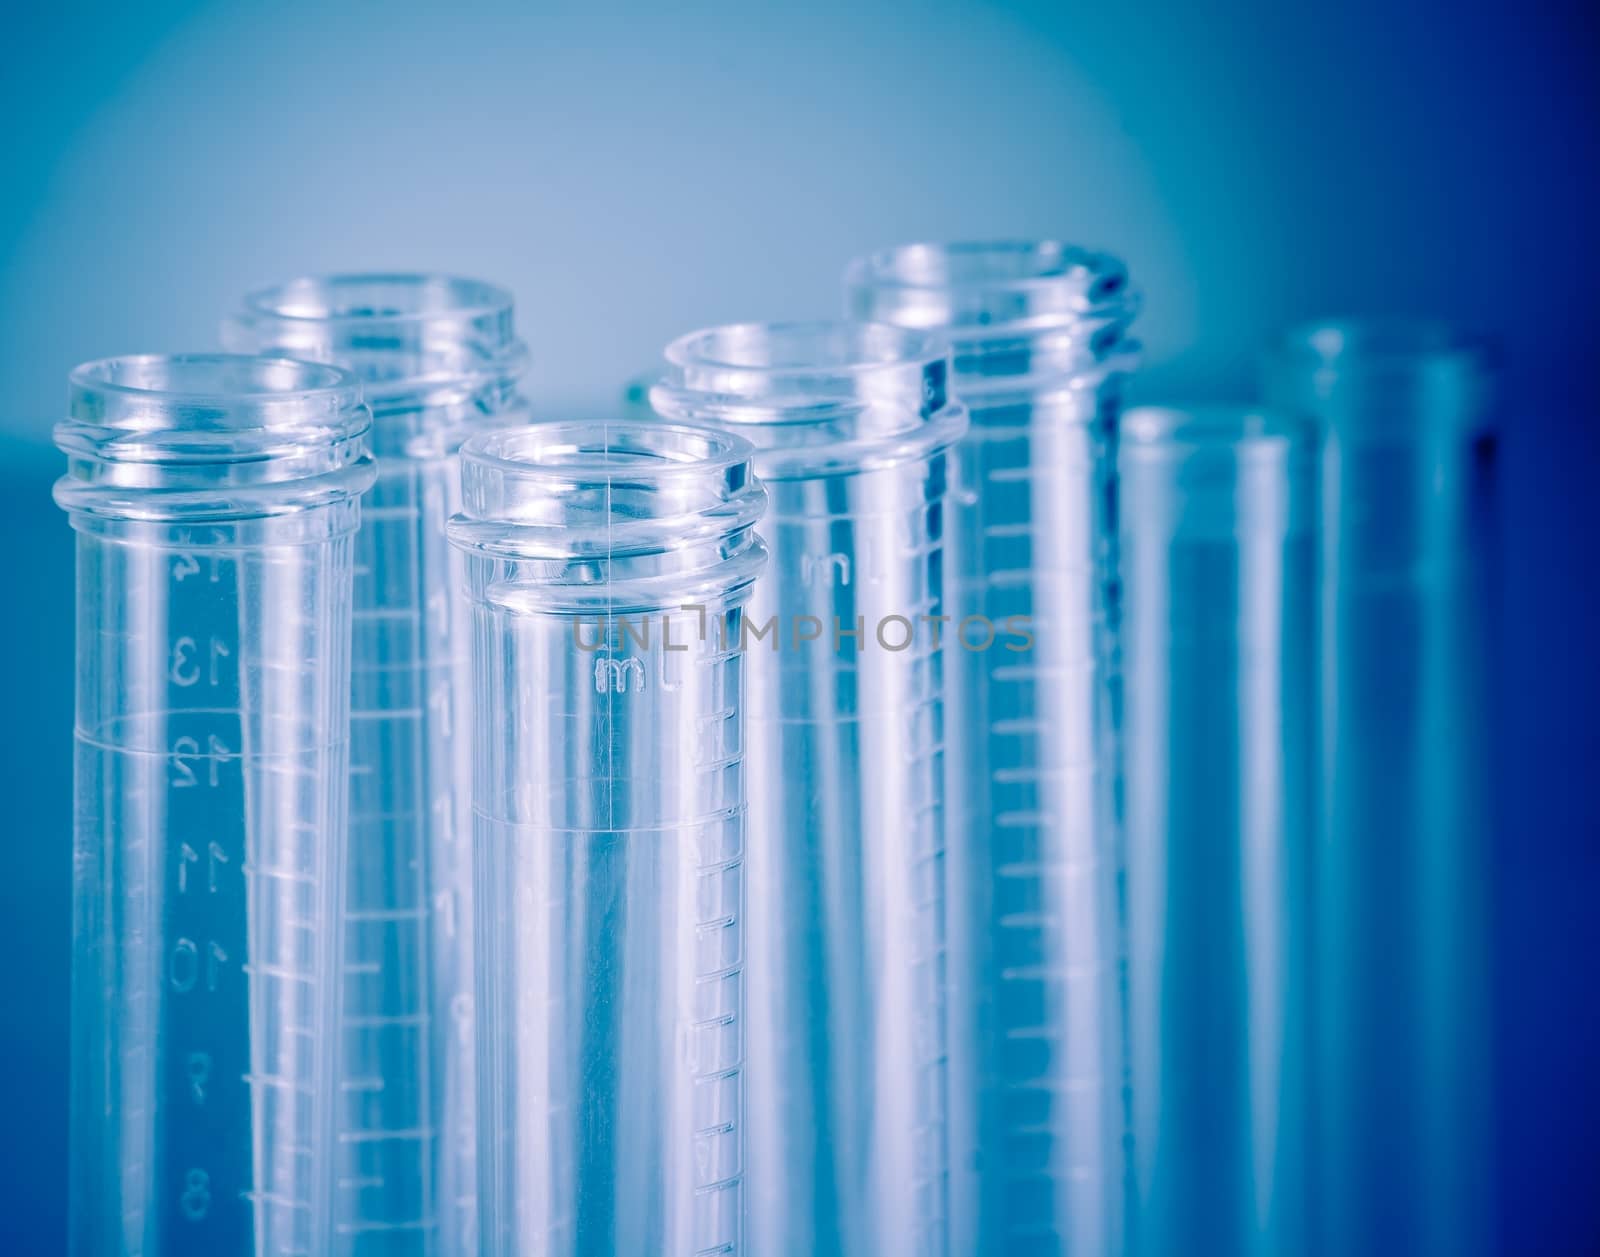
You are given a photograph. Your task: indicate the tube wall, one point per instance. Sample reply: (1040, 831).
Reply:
(438, 359)
(1218, 563)
(1040, 339)
(214, 499)
(847, 1099)
(1407, 513)
(608, 567)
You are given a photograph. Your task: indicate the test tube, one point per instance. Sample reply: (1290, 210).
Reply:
(608, 567)
(214, 499)
(1407, 511)
(1041, 346)
(851, 423)
(1218, 560)
(439, 359)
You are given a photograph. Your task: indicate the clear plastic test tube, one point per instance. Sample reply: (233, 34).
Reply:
(439, 359)
(608, 567)
(214, 498)
(851, 423)
(1040, 339)
(1218, 561)
(1407, 511)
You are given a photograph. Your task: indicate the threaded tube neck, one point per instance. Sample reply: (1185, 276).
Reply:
(211, 436)
(437, 355)
(611, 515)
(1020, 315)
(815, 398)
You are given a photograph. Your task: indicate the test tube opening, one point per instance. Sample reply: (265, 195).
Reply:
(1212, 427)
(365, 299)
(608, 491)
(1374, 340)
(1020, 315)
(402, 334)
(590, 475)
(234, 402)
(1219, 470)
(975, 285)
(818, 348)
(210, 436)
(573, 448)
(787, 365)
(817, 397)
(1386, 380)
(997, 264)
(219, 379)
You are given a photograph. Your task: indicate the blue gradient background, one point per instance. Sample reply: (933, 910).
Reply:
(633, 172)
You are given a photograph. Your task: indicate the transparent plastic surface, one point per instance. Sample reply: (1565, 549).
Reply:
(852, 424)
(214, 500)
(1040, 339)
(438, 359)
(1408, 470)
(1218, 562)
(608, 567)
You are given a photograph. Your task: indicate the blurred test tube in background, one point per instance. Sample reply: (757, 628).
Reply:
(608, 566)
(1403, 860)
(214, 498)
(1218, 560)
(439, 359)
(1040, 339)
(851, 424)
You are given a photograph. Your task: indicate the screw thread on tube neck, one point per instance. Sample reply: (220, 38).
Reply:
(816, 398)
(212, 437)
(1021, 316)
(437, 355)
(586, 518)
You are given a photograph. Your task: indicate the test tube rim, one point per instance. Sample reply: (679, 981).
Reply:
(1427, 340)
(723, 449)
(1213, 425)
(1110, 294)
(1403, 378)
(456, 348)
(734, 501)
(1015, 333)
(881, 399)
(493, 299)
(881, 267)
(142, 453)
(916, 347)
(337, 382)
(570, 557)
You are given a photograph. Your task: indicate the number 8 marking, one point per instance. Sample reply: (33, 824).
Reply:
(196, 1198)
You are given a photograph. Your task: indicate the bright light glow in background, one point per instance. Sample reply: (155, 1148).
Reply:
(635, 173)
